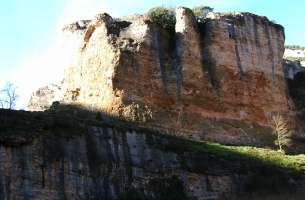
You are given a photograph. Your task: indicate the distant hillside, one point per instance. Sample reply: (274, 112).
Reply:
(294, 47)
(295, 53)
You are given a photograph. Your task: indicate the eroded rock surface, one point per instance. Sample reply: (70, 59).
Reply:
(55, 155)
(219, 80)
(43, 98)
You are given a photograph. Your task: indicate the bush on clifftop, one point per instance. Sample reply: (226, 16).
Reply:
(164, 17)
(201, 12)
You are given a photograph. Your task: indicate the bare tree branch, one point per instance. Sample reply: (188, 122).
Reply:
(8, 96)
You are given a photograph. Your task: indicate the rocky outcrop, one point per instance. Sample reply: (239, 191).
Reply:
(57, 155)
(43, 98)
(220, 79)
(295, 54)
(229, 67)
(292, 68)
(295, 77)
(130, 86)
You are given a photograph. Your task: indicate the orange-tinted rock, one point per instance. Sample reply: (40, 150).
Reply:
(218, 80)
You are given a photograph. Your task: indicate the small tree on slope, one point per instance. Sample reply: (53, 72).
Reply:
(281, 130)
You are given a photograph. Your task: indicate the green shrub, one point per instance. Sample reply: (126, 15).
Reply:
(294, 47)
(201, 12)
(99, 116)
(164, 17)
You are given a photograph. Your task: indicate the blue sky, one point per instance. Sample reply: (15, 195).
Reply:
(30, 29)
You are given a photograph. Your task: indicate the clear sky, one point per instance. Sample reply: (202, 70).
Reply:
(30, 54)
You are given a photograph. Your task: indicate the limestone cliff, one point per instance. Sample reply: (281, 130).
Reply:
(43, 98)
(75, 154)
(133, 84)
(220, 79)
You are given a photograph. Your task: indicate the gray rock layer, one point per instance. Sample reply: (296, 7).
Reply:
(105, 164)
(55, 155)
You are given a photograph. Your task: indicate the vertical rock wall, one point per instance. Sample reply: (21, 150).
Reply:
(220, 79)
(104, 164)
(65, 153)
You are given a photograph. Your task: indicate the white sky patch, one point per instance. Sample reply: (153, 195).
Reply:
(38, 69)
(82, 9)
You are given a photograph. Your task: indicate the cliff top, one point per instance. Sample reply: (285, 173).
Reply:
(240, 15)
(81, 25)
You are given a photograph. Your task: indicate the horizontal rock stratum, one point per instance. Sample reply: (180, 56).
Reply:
(220, 79)
(62, 154)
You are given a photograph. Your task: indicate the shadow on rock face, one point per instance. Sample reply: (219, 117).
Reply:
(81, 154)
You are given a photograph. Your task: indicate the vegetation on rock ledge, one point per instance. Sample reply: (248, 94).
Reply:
(294, 47)
(165, 17)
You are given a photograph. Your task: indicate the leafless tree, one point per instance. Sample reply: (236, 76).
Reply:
(8, 96)
(281, 130)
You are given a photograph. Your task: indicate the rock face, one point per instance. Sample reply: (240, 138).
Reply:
(220, 79)
(55, 157)
(43, 98)
(291, 69)
(123, 166)
(130, 84)
(296, 84)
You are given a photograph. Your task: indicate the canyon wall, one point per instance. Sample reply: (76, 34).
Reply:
(219, 80)
(57, 155)
(106, 164)
(131, 85)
